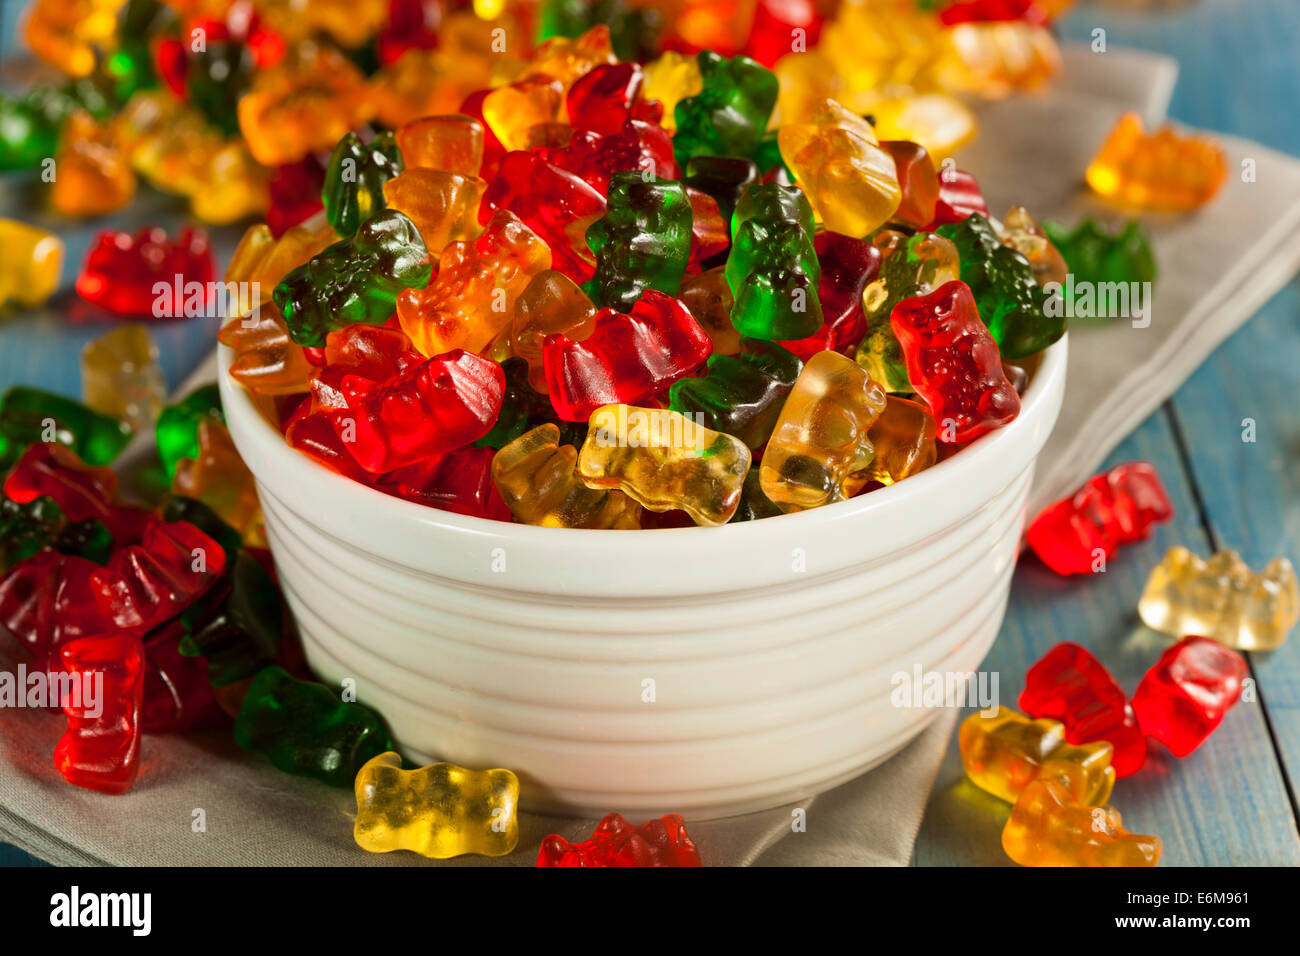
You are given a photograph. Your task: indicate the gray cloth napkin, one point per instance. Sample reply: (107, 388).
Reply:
(1029, 151)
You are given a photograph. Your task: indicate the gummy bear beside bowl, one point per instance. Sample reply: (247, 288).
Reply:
(702, 671)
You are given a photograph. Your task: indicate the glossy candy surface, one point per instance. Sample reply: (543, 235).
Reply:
(30, 259)
(665, 461)
(101, 748)
(1048, 827)
(1070, 685)
(355, 280)
(121, 272)
(953, 363)
(1003, 752)
(1079, 534)
(615, 842)
(536, 475)
(1184, 696)
(307, 729)
(1160, 170)
(438, 811)
(1222, 598)
(820, 450)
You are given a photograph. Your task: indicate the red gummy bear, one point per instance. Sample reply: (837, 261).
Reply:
(605, 98)
(431, 409)
(121, 270)
(992, 11)
(295, 191)
(953, 362)
(81, 491)
(1113, 508)
(51, 598)
(848, 265)
(959, 197)
(101, 748)
(1070, 685)
(553, 202)
(774, 24)
(615, 842)
(460, 481)
(626, 359)
(1183, 697)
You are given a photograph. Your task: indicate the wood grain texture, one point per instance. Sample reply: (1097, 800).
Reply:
(1225, 804)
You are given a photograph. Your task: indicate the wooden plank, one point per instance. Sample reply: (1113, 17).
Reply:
(1251, 489)
(1225, 804)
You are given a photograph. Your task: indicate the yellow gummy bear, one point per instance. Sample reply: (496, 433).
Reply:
(665, 461)
(511, 111)
(535, 476)
(851, 182)
(820, 451)
(1222, 598)
(672, 78)
(121, 377)
(903, 439)
(1048, 827)
(1163, 170)
(260, 261)
(438, 811)
(994, 59)
(30, 259)
(1003, 753)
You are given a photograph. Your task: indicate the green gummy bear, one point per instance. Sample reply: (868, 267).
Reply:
(725, 178)
(740, 395)
(354, 180)
(306, 729)
(642, 242)
(31, 415)
(355, 280)
(27, 528)
(237, 625)
(1096, 256)
(177, 429)
(40, 525)
(633, 31)
(729, 116)
(30, 124)
(772, 268)
(215, 79)
(131, 67)
(1009, 300)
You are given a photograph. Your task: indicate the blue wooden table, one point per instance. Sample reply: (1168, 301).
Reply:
(1233, 802)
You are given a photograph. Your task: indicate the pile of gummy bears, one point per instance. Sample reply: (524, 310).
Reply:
(225, 102)
(661, 296)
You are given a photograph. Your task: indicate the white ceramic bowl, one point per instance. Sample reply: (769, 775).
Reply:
(770, 645)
